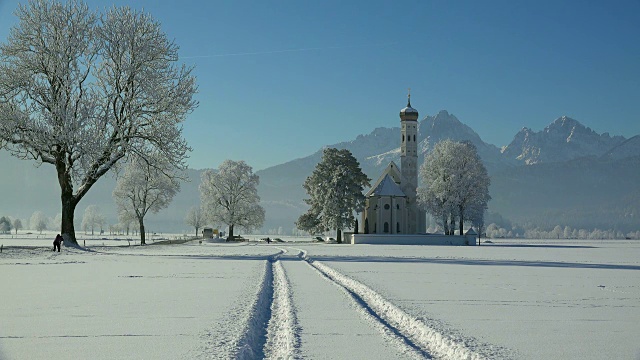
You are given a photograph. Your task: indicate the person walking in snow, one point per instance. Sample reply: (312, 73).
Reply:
(57, 242)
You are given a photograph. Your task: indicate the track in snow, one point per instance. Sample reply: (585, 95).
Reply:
(393, 321)
(270, 331)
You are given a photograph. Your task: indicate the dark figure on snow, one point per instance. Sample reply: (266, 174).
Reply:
(57, 242)
(268, 240)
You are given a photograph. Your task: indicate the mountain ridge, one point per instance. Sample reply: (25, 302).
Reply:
(534, 154)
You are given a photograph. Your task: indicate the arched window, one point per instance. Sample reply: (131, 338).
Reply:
(414, 138)
(398, 206)
(397, 227)
(402, 137)
(386, 227)
(375, 228)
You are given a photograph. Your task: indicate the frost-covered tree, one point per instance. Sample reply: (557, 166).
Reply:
(5, 225)
(230, 196)
(455, 184)
(81, 90)
(125, 219)
(56, 222)
(38, 221)
(335, 193)
(92, 218)
(195, 218)
(145, 187)
(17, 224)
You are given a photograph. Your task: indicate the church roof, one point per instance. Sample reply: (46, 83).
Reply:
(393, 171)
(387, 187)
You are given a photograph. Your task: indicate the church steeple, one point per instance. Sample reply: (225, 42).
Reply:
(409, 162)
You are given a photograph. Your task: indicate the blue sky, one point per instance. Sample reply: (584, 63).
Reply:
(280, 79)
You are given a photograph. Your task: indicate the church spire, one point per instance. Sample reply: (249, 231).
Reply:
(409, 98)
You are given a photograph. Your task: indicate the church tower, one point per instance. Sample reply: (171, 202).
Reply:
(409, 166)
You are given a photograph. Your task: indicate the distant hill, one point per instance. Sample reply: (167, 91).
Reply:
(566, 174)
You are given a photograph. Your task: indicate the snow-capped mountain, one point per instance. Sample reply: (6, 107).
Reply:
(547, 170)
(564, 139)
(433, 129)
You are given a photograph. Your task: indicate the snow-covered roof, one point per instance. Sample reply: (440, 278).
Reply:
(471, 232)
(391, 170)
(387, 187)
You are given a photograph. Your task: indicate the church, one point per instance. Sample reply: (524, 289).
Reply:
(391, 206)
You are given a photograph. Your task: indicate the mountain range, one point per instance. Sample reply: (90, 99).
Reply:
(565, 174)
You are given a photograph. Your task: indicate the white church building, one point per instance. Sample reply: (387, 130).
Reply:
(391, 213)
(391, 206)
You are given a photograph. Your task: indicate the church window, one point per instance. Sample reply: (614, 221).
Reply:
(386, 227)
(375, 228)
(398, 206)
(386, 206)
(398, 227)
(414, 138)
(402, 137)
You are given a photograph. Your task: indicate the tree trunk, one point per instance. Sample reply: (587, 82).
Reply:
(230, 232)
(68, 208)
(445, 224)
(142, 233)
(196, 231)
(461, 220)
(339, 236)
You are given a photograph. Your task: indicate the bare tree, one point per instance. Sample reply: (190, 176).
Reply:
(38, 221)
(82, 90)
(456, 184)
(5, 225)
(92, 218)
(230, 196)
(145, 187)
(125, 218)
(195, 218)
(17, 224)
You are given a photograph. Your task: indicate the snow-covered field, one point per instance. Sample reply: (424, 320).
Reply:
(517, 299)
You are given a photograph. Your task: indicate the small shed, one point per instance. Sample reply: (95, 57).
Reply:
(207, 233)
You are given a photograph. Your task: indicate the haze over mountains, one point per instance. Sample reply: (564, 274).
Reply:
(565, 174)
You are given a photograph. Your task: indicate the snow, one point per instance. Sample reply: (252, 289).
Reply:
(296, 299)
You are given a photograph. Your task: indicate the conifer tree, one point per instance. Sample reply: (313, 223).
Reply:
(335, 191)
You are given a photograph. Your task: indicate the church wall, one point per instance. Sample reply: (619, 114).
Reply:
(377, 214)
(415, 239)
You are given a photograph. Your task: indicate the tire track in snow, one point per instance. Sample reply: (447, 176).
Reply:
(414, 333)
(251, 343)
(282, 332)
(270, 331)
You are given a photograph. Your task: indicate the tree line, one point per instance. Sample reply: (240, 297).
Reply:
(455, 189)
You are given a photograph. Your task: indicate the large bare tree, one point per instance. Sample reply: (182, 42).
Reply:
(230, 196)
(455, 184)
(82, 90)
